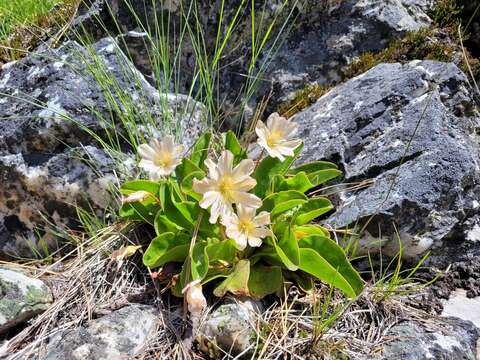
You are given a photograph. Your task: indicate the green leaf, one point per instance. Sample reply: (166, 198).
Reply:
(237, 282)
(307, 230)
(324, 259)
(222, 251)
(289, 245)
(322, 176)
(312, 167)
(181, 213)
(278, 203)
(199, 263)
(163, 225)
(312, 209)
(140, 211)
(187, 184)
(200, 151)
(268, 168)
(264, 280)
(232, 144)
(152, 187)
(299, 182)
(186, 168)
(167, 247)
(303, 280)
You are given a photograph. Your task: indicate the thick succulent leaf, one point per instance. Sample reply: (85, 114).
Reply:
(312, 209)
(326, 260)
(200, 151)
(222, 251)
(152, 187)
(299, 182)
(289, 245)
(264, 280)
(322, 176)
(312, 167)
(163, 225)
(140, 211)
(301, 279)
(199, 261)
(237, 282)
(185, 168)
(283, 201)
(301, 231)
(181, 213)
(165, 248)
(231, 143)
(269, 168)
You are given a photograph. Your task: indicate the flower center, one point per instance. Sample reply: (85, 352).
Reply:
(225, 186)
(274, 138)
(246, 226)
(163, 159)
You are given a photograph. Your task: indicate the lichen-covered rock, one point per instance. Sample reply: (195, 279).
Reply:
(411, 129)
(119, 335)
(230, 327)
(52, 111)
(21, 298)
(448, 338)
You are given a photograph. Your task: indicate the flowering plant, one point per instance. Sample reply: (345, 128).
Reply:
(244, 225)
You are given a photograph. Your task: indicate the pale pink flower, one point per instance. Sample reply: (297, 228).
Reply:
(278, 136)
(226, 185)
(160, 157)
(247, 228)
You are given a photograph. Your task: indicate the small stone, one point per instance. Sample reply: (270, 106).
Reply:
(231, 327)
(119, 335)
(21, 298)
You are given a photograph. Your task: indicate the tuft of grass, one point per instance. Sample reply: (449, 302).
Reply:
(302, 99)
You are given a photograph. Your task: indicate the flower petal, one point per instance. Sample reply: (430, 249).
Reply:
(254, 241)
(262, 219)
(246, 199)
(146, 151)
(209, 198)
(243, 170)
(202, 186)
(225, 163)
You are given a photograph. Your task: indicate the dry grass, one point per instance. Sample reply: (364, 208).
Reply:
(88, 283)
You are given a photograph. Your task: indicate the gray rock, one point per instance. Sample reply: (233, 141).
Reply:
(366, 124)
(463, 307)
(119, 335)
(53, 110)
(21, 298)
(230, 327)
(325, 36)
(443, 339)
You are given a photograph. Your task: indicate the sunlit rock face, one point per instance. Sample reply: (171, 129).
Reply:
(412, 131)
(54, 112)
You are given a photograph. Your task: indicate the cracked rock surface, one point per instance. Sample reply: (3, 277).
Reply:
(412, 130)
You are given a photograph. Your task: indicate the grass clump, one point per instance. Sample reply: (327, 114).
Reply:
(302, 99)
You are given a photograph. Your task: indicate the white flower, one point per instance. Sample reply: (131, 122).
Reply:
(195, 299)
(277, 137)
(226, 185)
(246, 228)
(160, 157)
